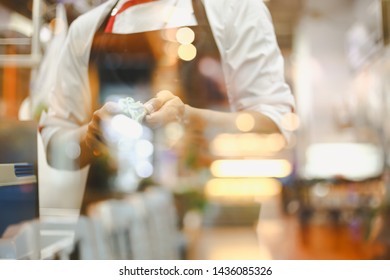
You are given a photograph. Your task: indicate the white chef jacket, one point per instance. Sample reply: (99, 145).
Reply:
(250, 57)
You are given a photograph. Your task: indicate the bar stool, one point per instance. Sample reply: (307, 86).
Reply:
(123, 227)
(21, 242)
(163, 223)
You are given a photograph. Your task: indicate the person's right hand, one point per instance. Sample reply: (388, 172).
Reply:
(95, 139)
(164, 108)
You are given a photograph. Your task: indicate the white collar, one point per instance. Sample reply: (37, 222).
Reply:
(154, 15)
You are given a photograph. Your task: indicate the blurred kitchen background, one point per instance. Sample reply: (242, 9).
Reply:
(325, 195)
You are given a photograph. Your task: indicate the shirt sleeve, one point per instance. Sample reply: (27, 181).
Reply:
(70, 101)
(251, 59)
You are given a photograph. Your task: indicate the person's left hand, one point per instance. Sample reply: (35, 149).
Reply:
(163, 109)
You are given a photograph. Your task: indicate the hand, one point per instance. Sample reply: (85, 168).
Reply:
(94, 138)
(164, 108)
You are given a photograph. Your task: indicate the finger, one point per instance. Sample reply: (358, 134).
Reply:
(111, 108)
(153, 105)
(163, 116)
(96, 147)
(157, 102)
(164, 94)
(96, 119)
(172, 111)
(93, 141)
(105, 112)
(94, 131)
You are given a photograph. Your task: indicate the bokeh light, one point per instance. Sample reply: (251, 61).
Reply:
(245, 122)
(185, 36)
(187, 52)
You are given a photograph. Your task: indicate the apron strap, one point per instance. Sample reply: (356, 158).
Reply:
(203, 22)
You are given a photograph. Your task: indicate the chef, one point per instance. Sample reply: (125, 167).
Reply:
(237, 34)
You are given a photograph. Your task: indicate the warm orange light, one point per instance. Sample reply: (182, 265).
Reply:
(240, 250)
(247, 144)
(251, 168)
(245, 122)
(242, 189)
(187, 52)
(185, 36)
